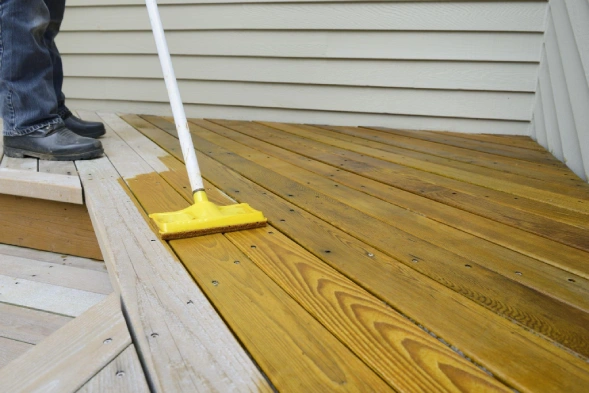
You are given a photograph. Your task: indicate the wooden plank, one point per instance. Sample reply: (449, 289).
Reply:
(556, 254)
(553, 174)
(473, 46)
(419, 102)
(11, 350)
(377, 73)
(123, 375)
(46, 297)
(466, 172)
(47, 225)
(307, 348)
(533, 216)
(44, 256)
(58, 167)
(197, 336)
(497, 258)
(55, 274)
(501, 150)
(46, 186)
(68, 358)
(21, 164)
(521, 141)
(510, 16)
(470, 275)
(283, 265)
(443, 312)
(530, 216)
(28, 325)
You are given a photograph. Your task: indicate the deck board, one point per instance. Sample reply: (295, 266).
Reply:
(171, 320)
(437, 307)
(398, 260)
(562, 323)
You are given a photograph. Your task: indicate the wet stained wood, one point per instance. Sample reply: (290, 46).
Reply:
(568, 259)
(47, 225)
(404, 355)
(490, 178)
(291, 343)
(541, 277)
(561, 224)
(491, 340)
(509, 194)
(565, 324)
(539, 156)
(505, 164)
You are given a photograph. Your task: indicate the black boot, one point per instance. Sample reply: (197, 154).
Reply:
(54, 144)
(90, 129)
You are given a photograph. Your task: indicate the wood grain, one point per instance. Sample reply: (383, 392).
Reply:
(545, 193)
(68, 358)
(541, 157)
(475, 282)
(55, 274)
(537, 217)
(123, 375)
(292, 342)
(47, 225)
(444, 312)
(46, 297)
(28, 325)
(498, 259)
(53, 187)
(296, 271)
(51, 257)
(58, 167)
(556, 254)
(11, 350)
(172, 321)
(559, 176)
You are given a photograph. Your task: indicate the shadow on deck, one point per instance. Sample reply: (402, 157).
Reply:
(413, 261)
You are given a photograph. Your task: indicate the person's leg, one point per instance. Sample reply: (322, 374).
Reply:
(27, 94)
(28, 103)
(80, 127)
(56, 11)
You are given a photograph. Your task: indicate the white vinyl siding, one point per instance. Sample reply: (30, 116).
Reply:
(561, 113)
(445, 65)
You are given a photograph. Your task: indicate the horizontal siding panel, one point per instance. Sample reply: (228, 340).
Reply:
(443, 103)
(516, 47)
(376, 73)
(312, 117)
(88, 3)
(435, 16)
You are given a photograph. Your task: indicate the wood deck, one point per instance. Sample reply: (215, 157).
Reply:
(393, 261)
(41, 292)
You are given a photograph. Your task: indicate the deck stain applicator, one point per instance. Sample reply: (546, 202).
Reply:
(203, 217)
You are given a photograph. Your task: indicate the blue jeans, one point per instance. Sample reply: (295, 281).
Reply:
(31, 72)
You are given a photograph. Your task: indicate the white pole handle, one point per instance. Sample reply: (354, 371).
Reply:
(175, 101)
